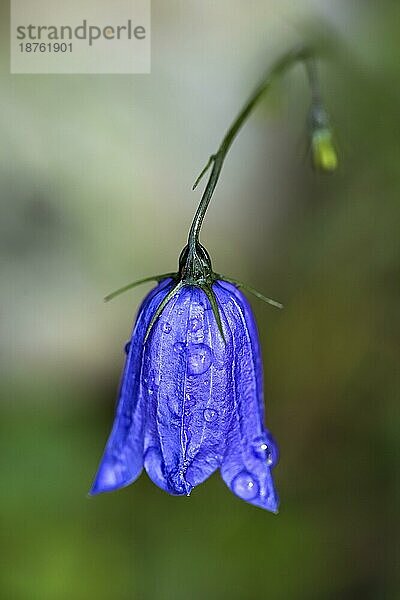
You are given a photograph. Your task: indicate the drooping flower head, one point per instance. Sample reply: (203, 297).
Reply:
(191, 396)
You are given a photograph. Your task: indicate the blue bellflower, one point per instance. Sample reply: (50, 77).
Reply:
(191, 397)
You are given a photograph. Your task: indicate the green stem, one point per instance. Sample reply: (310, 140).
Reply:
(300, 54)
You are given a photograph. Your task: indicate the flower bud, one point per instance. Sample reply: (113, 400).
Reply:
(324, 156)
(323, 151)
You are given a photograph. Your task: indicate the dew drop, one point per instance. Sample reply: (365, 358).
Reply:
(127, 347)
(245, 486)
(179, 347)
(166, 327)
(152, 385)
(264, 447)
(199, 359)
(260, 447)
(210, 415)
(190, 401)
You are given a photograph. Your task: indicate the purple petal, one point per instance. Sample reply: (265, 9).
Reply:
(186, 369)
(250, 451)
(122, 461)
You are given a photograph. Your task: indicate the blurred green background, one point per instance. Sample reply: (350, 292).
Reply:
(95, 191)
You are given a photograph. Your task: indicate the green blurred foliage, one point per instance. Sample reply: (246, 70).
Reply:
(95, 177)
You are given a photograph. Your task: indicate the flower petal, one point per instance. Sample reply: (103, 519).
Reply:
(122, 461)
(212, 413)
(185, 371)
(250, 451)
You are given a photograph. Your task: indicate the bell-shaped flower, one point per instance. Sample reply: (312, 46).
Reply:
(191, 397)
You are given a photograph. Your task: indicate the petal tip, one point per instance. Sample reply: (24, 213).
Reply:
(246, 486)
(106, 480)
(112, 476)
(273, 506)
(178, 484)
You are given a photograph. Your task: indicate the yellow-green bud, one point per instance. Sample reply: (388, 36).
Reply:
(323, 150)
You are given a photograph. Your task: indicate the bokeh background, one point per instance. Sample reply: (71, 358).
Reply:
(95, 185)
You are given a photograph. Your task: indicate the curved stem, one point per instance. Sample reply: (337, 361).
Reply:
(299, 54)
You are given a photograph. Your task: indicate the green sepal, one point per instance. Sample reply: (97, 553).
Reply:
(161, 307)
(129, 286)
(209, 292)
(251, 290)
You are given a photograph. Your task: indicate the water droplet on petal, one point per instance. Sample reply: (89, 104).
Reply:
(260, 447)
(199, 359)
(179, 347)
(152, 385)
(210, 415)
(190, 401)
(127, 347)
(166, 327)
(265, 449)
(245, 486)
